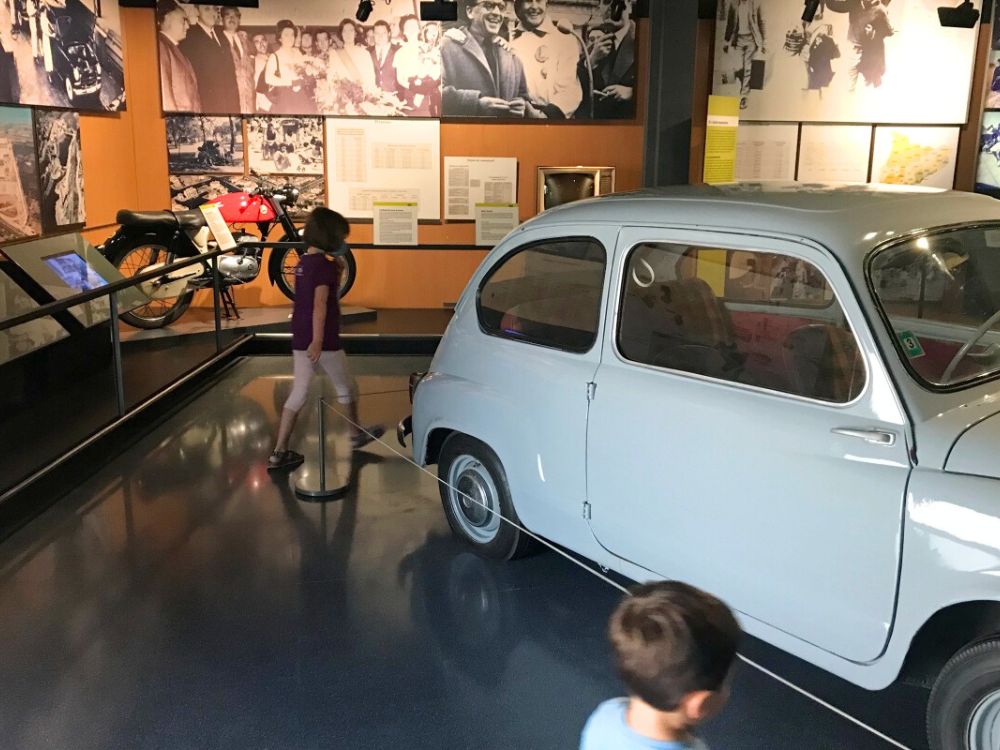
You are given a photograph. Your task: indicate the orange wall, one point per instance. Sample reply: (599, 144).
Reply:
(125, 166)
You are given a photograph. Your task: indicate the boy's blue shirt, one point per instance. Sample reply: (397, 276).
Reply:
(606, 729)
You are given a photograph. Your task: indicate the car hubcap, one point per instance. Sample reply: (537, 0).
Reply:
(984, 727)
(474, 499)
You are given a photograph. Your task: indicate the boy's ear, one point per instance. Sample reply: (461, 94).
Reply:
(702, 705)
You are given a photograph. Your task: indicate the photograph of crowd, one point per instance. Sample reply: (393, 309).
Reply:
(20, 214)
(190, 191)
(855, 61)
(285, 145)
(197, 145)
(61, 53)
(60, 171)
(510, 59)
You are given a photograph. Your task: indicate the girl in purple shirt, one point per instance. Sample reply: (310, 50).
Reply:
(316, 334)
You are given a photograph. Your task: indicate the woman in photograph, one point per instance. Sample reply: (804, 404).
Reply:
(283, 74)
(430, 35)
(352, 62)
(418, 70)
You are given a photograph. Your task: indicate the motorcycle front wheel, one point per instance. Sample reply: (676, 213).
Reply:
(289, 260)
(156, 313)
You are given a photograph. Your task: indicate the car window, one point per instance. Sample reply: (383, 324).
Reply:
(940, 294)
(547, 293)
(762, 319)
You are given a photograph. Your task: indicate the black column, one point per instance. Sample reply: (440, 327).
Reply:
(673, 36)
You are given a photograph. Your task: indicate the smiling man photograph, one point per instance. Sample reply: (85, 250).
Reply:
(481, 78)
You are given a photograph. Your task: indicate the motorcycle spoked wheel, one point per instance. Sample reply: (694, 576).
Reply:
(290, 260)
(156, 313)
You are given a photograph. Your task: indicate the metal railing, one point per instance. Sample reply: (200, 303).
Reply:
(111, 291)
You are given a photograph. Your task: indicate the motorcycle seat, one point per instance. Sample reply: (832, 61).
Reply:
(160, 219)
(190, 219)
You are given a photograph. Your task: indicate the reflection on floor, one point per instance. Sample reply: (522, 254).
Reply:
(181, 599)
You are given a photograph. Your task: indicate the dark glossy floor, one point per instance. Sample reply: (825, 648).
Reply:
(181, 599)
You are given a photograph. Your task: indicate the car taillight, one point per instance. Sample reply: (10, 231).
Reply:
(415, 379)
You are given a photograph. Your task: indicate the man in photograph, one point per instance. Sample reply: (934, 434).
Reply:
(212, 63)
(868, 27)
(481, 78)
(243, 56)
(613, 61)
(550, 58)
(384, 58)
(745, 32)
(178, 83)
(323, 45)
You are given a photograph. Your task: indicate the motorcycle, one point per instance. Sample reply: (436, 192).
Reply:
(147, 240)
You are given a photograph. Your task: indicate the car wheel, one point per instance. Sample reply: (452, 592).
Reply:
(964, 708)
(475, 494)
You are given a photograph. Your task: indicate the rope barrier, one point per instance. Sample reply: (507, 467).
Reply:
(598, 574)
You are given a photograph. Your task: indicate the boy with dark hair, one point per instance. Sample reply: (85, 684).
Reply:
(674, 647)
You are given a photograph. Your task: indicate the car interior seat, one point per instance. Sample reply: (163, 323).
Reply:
(823, 362)
(688, 328)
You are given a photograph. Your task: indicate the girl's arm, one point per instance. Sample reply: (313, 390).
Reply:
(320, 297)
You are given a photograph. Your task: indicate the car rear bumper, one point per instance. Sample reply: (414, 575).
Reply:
(405, 427)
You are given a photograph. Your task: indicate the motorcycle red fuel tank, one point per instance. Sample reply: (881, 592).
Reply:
(239, 208)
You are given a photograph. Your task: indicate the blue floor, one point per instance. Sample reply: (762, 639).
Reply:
(182, 599)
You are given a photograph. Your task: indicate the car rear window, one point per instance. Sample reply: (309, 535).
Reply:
(548, 293)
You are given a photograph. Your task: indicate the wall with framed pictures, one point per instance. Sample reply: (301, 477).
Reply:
(853, 95)
(157, 164)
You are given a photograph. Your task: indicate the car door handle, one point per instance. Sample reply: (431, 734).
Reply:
(876, 437)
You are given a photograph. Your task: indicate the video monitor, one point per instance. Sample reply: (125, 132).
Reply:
(559, 185)
(75, 272)
(66, 265)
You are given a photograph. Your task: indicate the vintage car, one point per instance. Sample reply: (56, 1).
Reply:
(787, 395)
(75, 64)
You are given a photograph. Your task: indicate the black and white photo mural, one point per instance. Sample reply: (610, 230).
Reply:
(285, 145)
(198, 145)
(19, 205)
(62, 53)
(856, 61)
(60, 169)
(508, 59)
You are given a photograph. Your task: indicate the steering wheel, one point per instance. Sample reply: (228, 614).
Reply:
(963, 352)
(649, 270)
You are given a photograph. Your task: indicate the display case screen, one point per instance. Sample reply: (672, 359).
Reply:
(75, 272)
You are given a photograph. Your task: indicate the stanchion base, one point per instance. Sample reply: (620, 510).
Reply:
(306, 492)
(339, 457)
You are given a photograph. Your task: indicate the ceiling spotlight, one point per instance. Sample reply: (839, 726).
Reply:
(809, 12)
(438, 10)
(964, 16)
(365, 9)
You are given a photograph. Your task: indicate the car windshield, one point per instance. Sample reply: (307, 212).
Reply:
(941, 295)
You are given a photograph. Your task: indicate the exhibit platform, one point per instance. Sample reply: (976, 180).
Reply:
(197, 320)
(364, 330)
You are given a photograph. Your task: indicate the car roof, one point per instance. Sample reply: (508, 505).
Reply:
(849, 220)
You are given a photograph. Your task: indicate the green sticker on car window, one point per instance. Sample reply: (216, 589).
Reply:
(911, 344)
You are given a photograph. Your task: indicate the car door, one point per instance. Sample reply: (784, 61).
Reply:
(744, 436)
(535, 343)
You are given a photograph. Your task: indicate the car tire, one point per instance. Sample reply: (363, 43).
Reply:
(964, 708)
(476, 499)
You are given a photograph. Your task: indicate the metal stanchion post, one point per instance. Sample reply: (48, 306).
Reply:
(116, 353)
(216, 295)
(314, 487)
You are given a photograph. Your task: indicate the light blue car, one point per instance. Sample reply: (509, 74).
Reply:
(786, 395)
